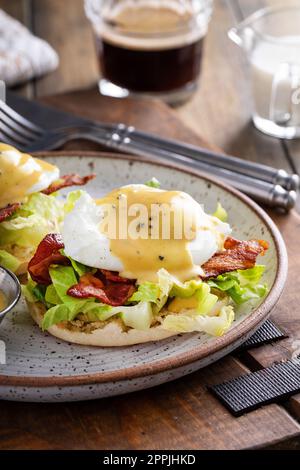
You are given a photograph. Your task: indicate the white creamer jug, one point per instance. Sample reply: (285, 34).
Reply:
(271, 39)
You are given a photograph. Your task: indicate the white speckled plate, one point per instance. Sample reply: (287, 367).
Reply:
(41, 368)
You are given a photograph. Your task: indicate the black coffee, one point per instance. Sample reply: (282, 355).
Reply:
(158, 62)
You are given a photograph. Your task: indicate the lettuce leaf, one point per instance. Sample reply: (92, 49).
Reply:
(79, 268)
(186, 289)
(241, 285)
(206, 300)
(51, 296)
(213, 325)
(55, 315)
(72, 197)
(220, 213)
(153, 183)
(63, 277)
(40, 215)
(66, 308)
(138, 316)
(39, 293)
(95, 311)
(168, 286)
(28, 290)
(147, 292)
(9, 261)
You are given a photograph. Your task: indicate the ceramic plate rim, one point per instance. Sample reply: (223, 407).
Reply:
(233, 336)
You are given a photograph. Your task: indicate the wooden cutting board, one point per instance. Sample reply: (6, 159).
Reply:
(182, 414)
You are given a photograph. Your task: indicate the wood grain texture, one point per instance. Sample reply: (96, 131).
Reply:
(65, 27)
(90, 104)
(180, 415)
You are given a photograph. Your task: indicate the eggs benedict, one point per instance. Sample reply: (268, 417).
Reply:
(141, 264)
(28, 210)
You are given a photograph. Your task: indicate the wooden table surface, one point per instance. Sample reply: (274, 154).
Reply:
(182, 414)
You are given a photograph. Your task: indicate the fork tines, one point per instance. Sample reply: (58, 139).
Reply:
(15, 129)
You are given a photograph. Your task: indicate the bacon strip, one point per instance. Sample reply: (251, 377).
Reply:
(112, 276)
(238, 254)
(114, 294)
(109, 288)
(8, 210)
(46, 254)
(68, 180)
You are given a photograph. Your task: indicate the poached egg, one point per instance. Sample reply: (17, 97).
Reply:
(137, 230)
(22, 175)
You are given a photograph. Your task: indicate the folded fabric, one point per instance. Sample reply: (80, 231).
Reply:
(22, 55)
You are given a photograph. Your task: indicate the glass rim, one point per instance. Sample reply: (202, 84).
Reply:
(268, 11)
(205, 9)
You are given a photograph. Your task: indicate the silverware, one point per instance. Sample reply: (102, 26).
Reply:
(273, 195)
(16, 128)
(255, 170)
(24, 134)
(11, 288)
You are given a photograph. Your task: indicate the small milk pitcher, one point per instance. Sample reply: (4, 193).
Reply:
(271, 39)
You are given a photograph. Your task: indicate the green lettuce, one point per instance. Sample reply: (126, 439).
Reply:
(79, 268)
(168, 286)
(147, 292)
(56, 314)
(153, 183)
(72, 197)
(138, 316)
(211, 314)
(9, 261)
(62, 312)
(186, 289)
(241, 285)
(213, 325)
(51, 296)
(28, 290)
(40, 215)
(63, 277)
(220, 213)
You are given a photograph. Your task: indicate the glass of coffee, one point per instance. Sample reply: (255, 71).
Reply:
(149, 47)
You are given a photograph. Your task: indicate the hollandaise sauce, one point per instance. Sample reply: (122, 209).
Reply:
(3, 301)
(19, 173)
(149, 231)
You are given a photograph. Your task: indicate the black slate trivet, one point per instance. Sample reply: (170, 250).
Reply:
(267, 333)
(247, 392)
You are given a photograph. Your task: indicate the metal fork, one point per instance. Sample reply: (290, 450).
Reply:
(28, 137)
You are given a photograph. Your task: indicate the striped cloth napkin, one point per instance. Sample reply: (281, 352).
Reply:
(22, 55)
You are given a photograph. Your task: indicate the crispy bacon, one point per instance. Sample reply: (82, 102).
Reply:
(46, 254)
(68, 180)
(238, 254)
(114, 294)
(112, 276)
(8, 210)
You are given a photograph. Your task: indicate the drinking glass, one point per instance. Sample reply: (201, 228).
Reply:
(149, 47)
